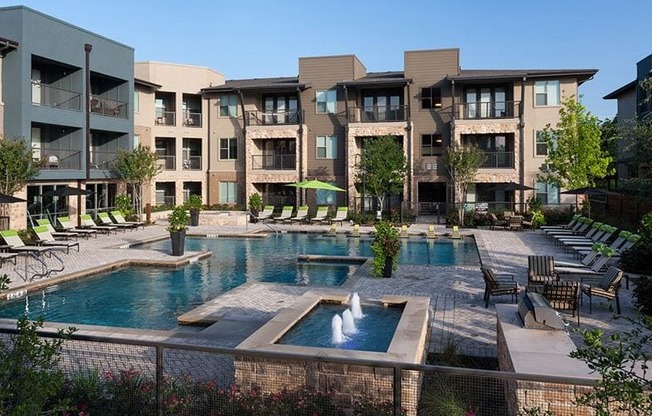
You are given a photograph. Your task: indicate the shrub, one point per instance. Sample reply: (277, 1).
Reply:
(643, 295)
(194, 202)
(386, 245)
(4, 282)
(124, 205)
(178, 219)
(453, 217)
(556, 216)
(534, 204)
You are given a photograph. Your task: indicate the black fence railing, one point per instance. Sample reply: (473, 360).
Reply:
(499, 160)
(109, 108)
(191, 119)
(376, 114)
(50, 159)
(49, 96)
(274, 117)
(273, 162)
(491, 109)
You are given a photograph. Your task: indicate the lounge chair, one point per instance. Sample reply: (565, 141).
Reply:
(571, 223)
(498, 284)
(564, 296)
(16, 244)
(104, 219)
(602, 237)
(266, 214)
(495, 222)
(541, 270)
(66, 225)
(88, 222)
(588, 259)
(593, 270)
(302, 214)
(320, 215)
(607, 287)
(587, 235)
(45, 238)
(62, 234)
(340, 215)
(119, 219)
(286, 213)
(11, 257)
(580, 228)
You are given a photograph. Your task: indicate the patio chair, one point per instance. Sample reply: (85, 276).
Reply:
(67, 226)
(286, 213)
(588, 259)
(617, 244)
(541, 270)
(570, 224)
(104, 219)
(320, 215)
(62, 234)
(267, 213)
(581, 227)
(564, 296)
(603, 237)
(45, 238)
(119, 219)
(498, 284)
(16, 244)
(88, 222)
(607, 287)
(302, 214)
(495, 222)
(593, 270)
(515, 223)
(340, 215)
(592, 234)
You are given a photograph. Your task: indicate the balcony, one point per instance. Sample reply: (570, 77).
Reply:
(274, 118)
(378, 114)
(192, 163)
(166, 162)
(57, 159)
(49, 96)
(109, 108)
(191, 119)
(498, 160)
(102, 160)
(166, 118)
(488, 110)
(273, 162)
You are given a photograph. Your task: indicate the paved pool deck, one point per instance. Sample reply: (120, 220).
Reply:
(458, 315)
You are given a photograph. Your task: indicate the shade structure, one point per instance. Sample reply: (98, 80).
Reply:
(587, 190)
(9, 199)
(511, 186)
(317, 184)
(67, 191)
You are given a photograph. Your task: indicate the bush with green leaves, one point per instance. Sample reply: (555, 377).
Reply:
(194, 203)
(178, 219)
(255, 202)
(386, 245)
(637, 258)
(4, 282)
(643, 295)
(124, 205)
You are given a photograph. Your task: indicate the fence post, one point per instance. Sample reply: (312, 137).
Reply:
(159, 380)
(397, 391)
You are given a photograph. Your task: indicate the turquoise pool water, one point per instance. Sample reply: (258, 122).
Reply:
(152, 298)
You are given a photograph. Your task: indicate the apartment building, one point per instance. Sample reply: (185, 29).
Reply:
(172, 117)
(69, 93)
(270, 132)
(633, 102)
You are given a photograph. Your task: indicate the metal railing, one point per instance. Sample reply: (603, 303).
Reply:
(491, 109)
(500, 160)
(49, 96)
(192, 163)
(57, 159)
(273, 118)
(101, 160)
(165, 199)
(377, 114)
(135, 376)
(191, 119)
(165, 118)
(166, 162)
(273, 162)
(109, 108)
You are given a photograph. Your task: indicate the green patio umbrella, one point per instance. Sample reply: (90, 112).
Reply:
(316, 184)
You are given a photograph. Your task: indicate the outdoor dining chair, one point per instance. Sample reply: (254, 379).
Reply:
(498, 284)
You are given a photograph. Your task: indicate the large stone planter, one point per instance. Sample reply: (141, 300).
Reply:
(178, 240)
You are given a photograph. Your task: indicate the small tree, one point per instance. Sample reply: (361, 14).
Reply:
(137, 168)
(462, 164)
(575, 157)
(382, 169)
(16, 165)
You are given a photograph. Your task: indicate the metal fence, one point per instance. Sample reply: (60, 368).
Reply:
(106, 376)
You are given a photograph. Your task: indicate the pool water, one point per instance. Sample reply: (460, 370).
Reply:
(153, 298)
(374, 331)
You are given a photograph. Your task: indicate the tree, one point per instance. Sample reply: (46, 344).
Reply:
(575, 158)
(462, 164)
(137, 168)
(382, 169)
(16, 165)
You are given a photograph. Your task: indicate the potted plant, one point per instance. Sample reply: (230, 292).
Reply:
(255, 205)
(177, 226)
(194, 204)
(385, 248)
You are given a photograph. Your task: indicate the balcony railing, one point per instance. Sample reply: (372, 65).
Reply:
(377, 114)
(49, 96)
(491, 109)
(192, 163)
(273, 118)
(273, 162)
(499, 160)
(191, 119)
(165, 199)
(109, 108)
(50, 159)
(165, 118)
(166, 162)
(101, 160)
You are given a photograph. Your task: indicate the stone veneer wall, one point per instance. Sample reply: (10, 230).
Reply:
(347, 383)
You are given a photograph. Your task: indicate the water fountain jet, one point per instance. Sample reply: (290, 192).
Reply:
(356, 310)
(348, 324)
(336, 326)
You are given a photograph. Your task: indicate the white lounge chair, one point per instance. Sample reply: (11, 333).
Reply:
(119, 219)
(88, 222)
(320, 215)
(104, 219)
(66, 225)
(46, 239)
(302, 214)
(286, 213)
(340, 215)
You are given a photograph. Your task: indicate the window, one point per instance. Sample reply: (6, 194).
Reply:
(136, 101)
(540, 144)
(228, 192)
(430, 98)
(228, 105)
(546, 93)
(136, 141)
(326, 101)
(229, 148)
(548, 193)
(326, 147)
(431, 144)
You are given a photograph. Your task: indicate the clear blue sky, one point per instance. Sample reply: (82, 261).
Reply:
(255, 39)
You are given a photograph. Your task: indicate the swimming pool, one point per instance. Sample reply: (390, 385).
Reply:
(152, 298)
